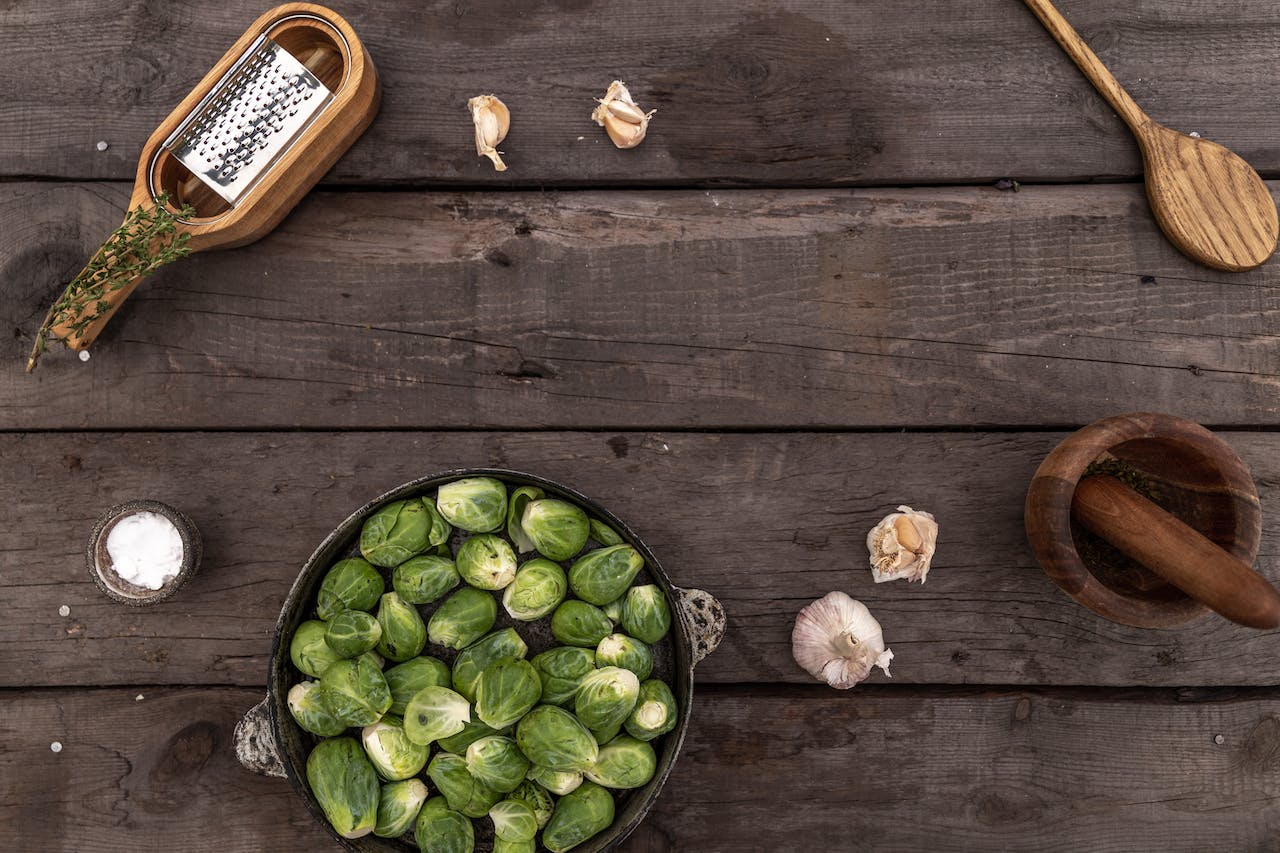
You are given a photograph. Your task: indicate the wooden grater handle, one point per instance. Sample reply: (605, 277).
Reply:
(1176, 552)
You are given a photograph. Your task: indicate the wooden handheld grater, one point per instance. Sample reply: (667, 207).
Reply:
(254, 136)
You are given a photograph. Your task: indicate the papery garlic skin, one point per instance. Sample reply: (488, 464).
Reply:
(902, 545)
(492, 120)
(837, 640)
(621, 117)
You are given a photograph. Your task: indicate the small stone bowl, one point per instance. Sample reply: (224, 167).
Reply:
(116, 587)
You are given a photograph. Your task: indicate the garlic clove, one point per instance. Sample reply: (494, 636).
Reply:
(620, 116)
(492, 120)
(902, 545)
(837, 640)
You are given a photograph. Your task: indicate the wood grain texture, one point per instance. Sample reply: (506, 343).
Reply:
(846, 308)
(883, 770)
(782, 92)
(765, 522)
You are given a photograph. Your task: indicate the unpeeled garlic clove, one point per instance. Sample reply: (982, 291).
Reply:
(837, 640)
(492, 120)
(902, 545)
(620, 116)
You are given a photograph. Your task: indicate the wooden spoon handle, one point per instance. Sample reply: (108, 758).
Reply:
(1176, 552)
(1088, 63)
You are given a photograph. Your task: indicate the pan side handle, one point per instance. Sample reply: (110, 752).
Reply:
(703, 618)
(255, 743)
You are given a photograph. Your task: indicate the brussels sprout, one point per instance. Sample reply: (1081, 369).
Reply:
(465, 793)
(344, 784)
(646, 614)
(513, 821)
(626, 652)
(578, 816)
(605, 699)
(486, 562)
(562, 670)
(472, 732)
(538, 589)
(515, 512)
(406, 679)
(476, 504)
(463, 618)
(655, 711)
(350, 585)
(390, 751)
(501, 845)
(600, 576)
(356, 690)
(536, 798)
(403, 634)
(434, 713)
(441, 530)
(308, 650)
(553, 738)
(604, 534)
(623, 762)
(508, 688)
(558, 782)
(352, 633)
(398, 807)
(576, 623)
(558, 529)
(614, 610)
(473, 660)
(395, 533)
(497, 763)
(310, 709)
(440, 829)
(422, 580)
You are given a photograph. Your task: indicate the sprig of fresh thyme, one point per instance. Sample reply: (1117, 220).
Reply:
(144, 242)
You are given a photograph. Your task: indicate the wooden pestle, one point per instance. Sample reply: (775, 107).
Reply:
(1178, 553)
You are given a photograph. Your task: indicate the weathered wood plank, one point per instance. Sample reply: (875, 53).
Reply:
(765, 522)
(788, 92)
(938, 307)
(878, 770)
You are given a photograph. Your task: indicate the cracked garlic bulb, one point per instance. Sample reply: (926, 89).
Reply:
(837, 640)
(902, 545)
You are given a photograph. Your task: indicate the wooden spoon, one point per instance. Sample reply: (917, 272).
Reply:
(1210, 203)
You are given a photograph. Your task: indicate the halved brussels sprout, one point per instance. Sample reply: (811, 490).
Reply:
(434, 713)
(558, 529)
(356, 690)
(553, 738)
(395, 533)
(603, 575)
(626, 652)
(344, 784)
(472, 732)
(515, 511)
(308, 650)
(501, 845)
(406, 679)
(604, 534)
(655, 712)
(537, 798)
(463, 618)
(440, 829)
(392, 754)
(465, 793)
(497, 763)
(558, 782)
(398, 807)
(308, 707)
(424, 579)
(578, 816)
(562, 670)
(623, 762)
(473, 660)
(475, 504)
(646, 614)
(513, 821)
(403, 634)
(538, 589)
(605, 699)
(352, 633)
(508, 688)
(351, 584)
(486, 562)
(576, 623)
(614, 610)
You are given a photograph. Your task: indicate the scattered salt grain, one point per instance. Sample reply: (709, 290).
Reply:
(102, 145)
(138, 698)
(56, 746)
(84, 355)
(64, 610)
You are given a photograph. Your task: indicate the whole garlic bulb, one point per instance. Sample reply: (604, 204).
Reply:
(902, 545)
(837, 640)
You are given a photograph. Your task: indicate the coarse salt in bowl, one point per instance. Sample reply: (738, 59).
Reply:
(142, 551)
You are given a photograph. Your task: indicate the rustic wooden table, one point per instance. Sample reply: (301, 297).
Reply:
(799, 303)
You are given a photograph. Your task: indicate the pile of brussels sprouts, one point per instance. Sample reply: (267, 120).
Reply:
(532, 744)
